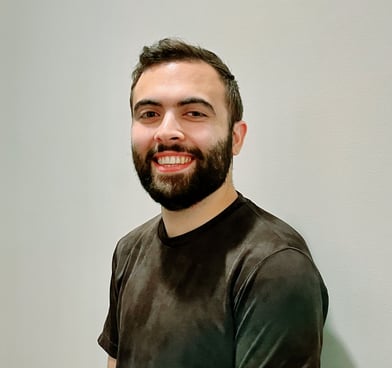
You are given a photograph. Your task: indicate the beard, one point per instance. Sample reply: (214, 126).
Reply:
(180, 191)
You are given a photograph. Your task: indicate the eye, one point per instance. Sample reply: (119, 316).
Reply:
(148, 115)
(196, 114)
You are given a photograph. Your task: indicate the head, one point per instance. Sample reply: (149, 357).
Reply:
(186, 123)
(169, 49)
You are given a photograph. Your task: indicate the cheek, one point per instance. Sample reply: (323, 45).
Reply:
(141, 137)
(205, 137)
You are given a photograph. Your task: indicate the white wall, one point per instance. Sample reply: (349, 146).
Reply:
(316, 82)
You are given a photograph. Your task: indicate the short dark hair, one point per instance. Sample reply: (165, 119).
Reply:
(171, 49)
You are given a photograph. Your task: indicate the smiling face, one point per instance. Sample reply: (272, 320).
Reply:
(181, 143)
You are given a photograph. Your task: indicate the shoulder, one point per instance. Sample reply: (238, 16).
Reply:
(137, 233)
(272, 252)
(131, 243)
(266, 233)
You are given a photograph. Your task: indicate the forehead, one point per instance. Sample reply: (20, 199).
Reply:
(178, 80)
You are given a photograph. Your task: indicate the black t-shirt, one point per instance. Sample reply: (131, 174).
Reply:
(239, 291)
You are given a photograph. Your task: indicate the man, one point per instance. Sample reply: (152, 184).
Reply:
(213, 281)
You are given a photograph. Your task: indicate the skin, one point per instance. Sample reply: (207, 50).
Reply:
(184, 103)
(111, 362)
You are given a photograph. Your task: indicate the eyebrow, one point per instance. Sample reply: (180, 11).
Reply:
(145, 102)
(196, 100)
(186, 101)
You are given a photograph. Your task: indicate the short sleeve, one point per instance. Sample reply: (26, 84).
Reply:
(279, 313)
(108, 339)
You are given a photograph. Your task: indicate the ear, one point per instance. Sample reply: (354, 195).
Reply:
(239, 132)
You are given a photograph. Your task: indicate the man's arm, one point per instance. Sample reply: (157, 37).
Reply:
(279, 312)
(111, 362)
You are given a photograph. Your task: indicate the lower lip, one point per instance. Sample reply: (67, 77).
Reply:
(172, 168)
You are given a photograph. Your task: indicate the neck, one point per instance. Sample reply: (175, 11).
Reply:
(183, 221)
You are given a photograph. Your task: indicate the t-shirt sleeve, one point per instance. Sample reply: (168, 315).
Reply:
(108, 339)
(279, 313)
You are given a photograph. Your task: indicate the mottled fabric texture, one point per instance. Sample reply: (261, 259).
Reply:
(240, 291)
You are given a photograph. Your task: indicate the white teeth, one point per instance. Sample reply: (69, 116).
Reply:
(173, 160)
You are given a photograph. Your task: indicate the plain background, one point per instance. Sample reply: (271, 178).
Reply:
(315, 77)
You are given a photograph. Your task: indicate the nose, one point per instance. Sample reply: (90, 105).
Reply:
(169, 130)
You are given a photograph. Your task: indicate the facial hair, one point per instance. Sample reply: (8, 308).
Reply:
(180, 191)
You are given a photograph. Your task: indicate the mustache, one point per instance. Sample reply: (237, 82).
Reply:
(176, 148)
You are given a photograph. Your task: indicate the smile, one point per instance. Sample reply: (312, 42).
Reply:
(173, 160)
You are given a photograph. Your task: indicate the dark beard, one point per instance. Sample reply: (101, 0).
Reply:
(179, 191)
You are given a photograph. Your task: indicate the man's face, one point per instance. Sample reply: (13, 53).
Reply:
(181, 144)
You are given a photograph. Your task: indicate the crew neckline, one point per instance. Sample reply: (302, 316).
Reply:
(184, 239)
